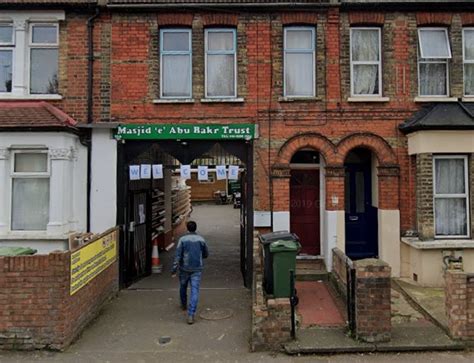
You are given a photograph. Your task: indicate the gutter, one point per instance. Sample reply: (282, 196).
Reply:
(255, 5)
(90, 85)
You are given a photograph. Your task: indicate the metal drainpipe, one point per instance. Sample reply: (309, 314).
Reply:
(90, 85)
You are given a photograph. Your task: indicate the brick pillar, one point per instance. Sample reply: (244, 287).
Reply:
(388, 177)
(424, 196)
(373, 310)
(281, 187)
(459, 288)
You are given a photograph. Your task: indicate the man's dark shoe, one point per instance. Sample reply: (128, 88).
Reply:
(190, 319)
(184, 307)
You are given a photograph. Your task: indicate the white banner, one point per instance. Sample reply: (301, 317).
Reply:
(157, 171)
(203, 173)
(145, 171)
(134, 172)
(233, 172)
(185, 172)
(220, 172)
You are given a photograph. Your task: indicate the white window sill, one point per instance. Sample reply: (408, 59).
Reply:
(438, 243)
(223, 100)
(298, 99)
(468, 99)
(368, 99)
(8, 96)
(174, 100)
(32, 236)
(435, 99)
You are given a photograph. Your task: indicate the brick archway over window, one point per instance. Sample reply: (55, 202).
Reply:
(376, 144)
(308, 140)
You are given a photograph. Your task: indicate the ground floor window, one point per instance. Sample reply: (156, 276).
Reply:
(30, 190)
(451, 203)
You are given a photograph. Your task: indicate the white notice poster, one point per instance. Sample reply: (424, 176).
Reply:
(145, 171)
(220, 172)
(233, 172)
(157, 171)
(134, 172)
(185, 172)
(203, 173)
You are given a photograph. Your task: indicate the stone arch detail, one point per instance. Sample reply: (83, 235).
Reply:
(375, 143)
(307, 140)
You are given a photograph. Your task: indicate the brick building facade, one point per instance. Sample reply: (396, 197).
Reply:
(353, 107)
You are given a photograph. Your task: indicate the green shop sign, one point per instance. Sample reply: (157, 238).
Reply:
(185, 131)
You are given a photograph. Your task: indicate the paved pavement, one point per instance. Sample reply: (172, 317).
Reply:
(145, 324)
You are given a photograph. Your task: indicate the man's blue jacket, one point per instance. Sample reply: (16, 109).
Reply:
(191, 249)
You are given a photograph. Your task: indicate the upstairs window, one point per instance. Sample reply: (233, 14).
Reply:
(468, 60)
(30, 190)
(366, 65)
(7, 45)
(175, 61)
(44, 58)
(220, 63)
(451, 196)
(299, 62)
(434, 53)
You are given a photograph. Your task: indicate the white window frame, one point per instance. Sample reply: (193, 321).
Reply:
(27, 175)
(10, 47)
(311, 51)
(378, 63)
(177, 52)
(32, 45)
(465, 61)
(450, 196)
(21, 21)
(435, 60)
(208, 52)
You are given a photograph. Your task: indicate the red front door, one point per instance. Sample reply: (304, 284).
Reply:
(304, 209)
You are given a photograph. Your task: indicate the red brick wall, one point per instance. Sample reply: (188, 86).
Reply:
(373, 292)
(459, 289)
(37, 309)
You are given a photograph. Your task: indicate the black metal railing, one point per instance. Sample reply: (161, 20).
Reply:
(351, 296)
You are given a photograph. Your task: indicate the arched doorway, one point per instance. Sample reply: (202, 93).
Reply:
(305, 200)
(360, 201)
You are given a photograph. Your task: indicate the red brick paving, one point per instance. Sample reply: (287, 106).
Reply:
(316, 305)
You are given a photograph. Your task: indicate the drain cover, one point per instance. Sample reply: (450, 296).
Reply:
(216, 314)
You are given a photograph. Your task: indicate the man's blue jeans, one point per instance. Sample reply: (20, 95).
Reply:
(194, 278)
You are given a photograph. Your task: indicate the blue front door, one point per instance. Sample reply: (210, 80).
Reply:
(360, 216)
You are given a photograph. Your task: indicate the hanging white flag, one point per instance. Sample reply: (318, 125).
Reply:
(185, 172)
(157, 171)
(203, 173)
(134, 172)
(220, 172)
(233, 172)
(145, 171)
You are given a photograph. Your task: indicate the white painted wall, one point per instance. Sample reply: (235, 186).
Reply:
(281, 221)
(389, 238)
(68, 188)
(103, 181)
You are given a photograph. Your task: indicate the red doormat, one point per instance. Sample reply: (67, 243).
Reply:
(317, 306)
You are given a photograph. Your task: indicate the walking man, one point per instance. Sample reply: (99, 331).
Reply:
(191, 250)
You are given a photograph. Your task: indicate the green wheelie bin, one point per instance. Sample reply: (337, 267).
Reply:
(284, 259)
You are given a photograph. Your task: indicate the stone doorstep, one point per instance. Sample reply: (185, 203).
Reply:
(337, 341)
(311, 270)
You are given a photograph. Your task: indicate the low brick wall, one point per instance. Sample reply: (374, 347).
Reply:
(37, 310)
(459, 287)
(373, 305)
(271, 318)
(338, 276)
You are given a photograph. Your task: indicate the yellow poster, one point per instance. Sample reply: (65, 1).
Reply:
(90, 260)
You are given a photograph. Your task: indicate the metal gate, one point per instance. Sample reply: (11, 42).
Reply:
(351, 295)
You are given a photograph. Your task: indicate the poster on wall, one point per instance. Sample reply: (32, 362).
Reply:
(233, 172)
(134, 172)
(185, 172)
(203, 173)
(221, 172)
(145, 171)
(92, 259)
(157, 171)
